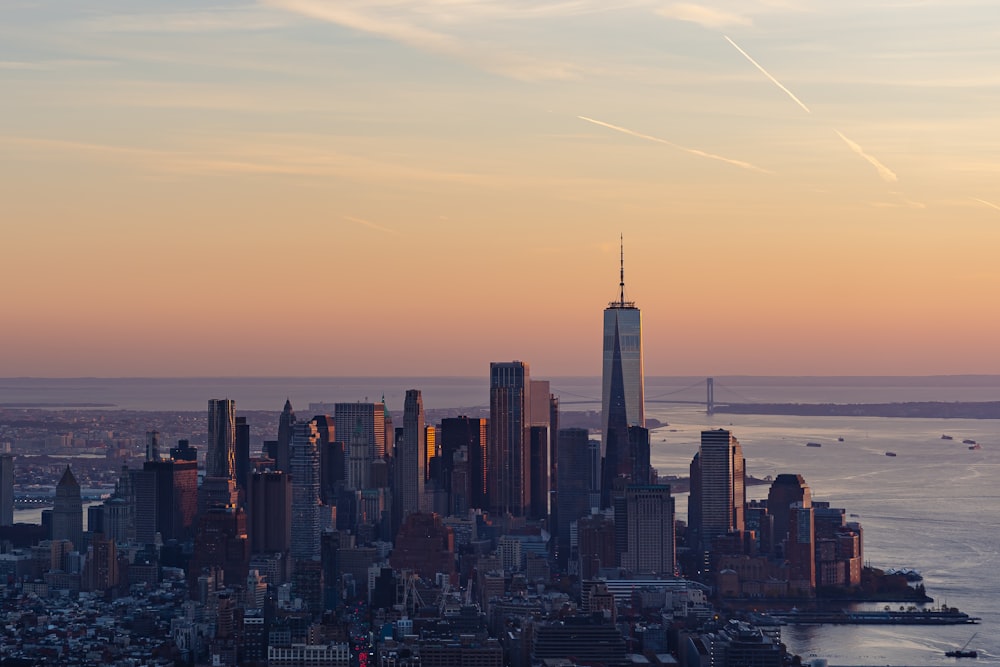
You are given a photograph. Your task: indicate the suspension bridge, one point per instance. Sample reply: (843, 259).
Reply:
(701, 392)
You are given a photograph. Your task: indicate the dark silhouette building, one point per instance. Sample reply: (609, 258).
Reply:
(282, 459)
(508, 455)
(269, 515)
(425, 545)
(67, 513)
(469, 433)
(220, 458)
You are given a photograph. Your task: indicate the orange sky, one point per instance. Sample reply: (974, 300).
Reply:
(299, 187)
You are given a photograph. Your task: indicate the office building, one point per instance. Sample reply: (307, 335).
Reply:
(152, 445)
(304, 462)
(468, 433)
(508, 438)
(649, 512)
(410, 463)
(269, 514)
(220, 457)
(721, 486)
(578, 484)
(366, 419)
(282, 451)
(786, 490)
(242, 453)
(67, 513)
(622, 395)
(6, 489)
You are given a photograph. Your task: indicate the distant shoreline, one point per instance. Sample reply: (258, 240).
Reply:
(910, 410)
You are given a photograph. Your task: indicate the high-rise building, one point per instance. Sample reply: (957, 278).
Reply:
(722, 485)
(304, 461)
(470, 433)
(410, 457)
(622, 396)
(578, 483)
(538, 467)
(348, 418)
(285, 422)
(800, 549)
(152, 445)
(269, 515)
(6, 489)
(785, 490)
(220, 457)
(508, 438)
(67, 513)
(650, 520)
(242, 452)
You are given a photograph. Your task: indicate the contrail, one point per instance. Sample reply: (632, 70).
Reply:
(368, 223)
(883, 171)
(767, 74)
(986, 203)
(692, 151)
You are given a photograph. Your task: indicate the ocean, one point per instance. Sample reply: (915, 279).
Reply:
(935, 506)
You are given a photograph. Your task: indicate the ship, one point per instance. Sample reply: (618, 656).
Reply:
(890, 453)
(947, 437)
(943, 616)
(814, 444)
(968, 441)
(963, 652)
(975, 446)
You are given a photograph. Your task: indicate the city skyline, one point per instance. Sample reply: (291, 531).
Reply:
(805, 188)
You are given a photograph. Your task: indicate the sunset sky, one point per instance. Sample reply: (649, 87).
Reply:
(395, 187)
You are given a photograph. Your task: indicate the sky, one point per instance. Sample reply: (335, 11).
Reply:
(420, 187)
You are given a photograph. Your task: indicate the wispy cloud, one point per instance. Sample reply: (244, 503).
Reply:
(884, 172)
(708, 17)
(986, 203)
(369, 224)
(208, 20)
(692, 151)
(768, 74)
(425, 26)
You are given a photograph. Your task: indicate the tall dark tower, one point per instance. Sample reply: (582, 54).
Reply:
(469, 433)
(410, 457)
(786, 490)
(622, 399)
(285, 422)
(220, 458)
(67, 513)
(508, 438)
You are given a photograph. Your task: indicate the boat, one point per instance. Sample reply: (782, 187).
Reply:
(975, 446)
(840, 439)
(964, 652)
(947, 437)
(814, 444)
(890, 453)
(968, 441)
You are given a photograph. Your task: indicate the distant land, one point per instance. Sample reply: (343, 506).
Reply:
(917, 410)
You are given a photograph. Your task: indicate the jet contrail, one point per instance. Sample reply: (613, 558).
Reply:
(692, 151)
(986, 203)
(767, 74)
(883, 171)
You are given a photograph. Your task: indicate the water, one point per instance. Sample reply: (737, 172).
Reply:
(933, 507)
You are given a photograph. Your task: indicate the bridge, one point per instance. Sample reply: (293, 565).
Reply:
(684, 395)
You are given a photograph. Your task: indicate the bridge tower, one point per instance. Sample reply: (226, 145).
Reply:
(710, 396)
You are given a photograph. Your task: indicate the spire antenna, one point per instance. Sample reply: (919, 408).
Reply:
(621, 284)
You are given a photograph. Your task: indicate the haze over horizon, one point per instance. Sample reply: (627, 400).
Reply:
(419, 187)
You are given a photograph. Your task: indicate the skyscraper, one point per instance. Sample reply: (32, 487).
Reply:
(468, 433)
(285, 422)
(220, 457)
(304, 461)
(622, 396)
(410, 457)
(6, 489)
(650, 519)
(67, 513)
(370, 417)
(722, 485)
(508, 438)
(577, 484)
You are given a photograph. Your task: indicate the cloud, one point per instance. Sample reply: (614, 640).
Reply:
(210, 20)
(884, 172)
(707, 17)
(692, 151)
(986, 203)
(369, 224)
(768, 75)
(390, 20)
